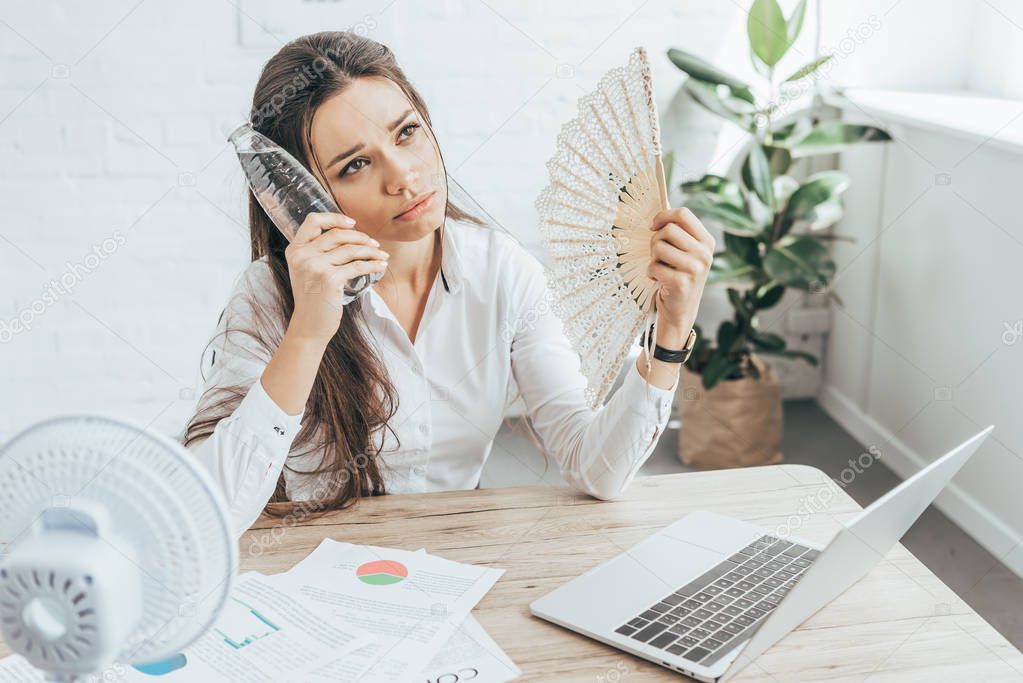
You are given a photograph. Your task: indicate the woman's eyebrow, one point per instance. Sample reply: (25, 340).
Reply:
(344, 155)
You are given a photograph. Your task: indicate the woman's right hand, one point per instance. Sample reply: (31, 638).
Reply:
(324, 255)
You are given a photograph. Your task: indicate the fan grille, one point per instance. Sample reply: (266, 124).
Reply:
(163, 513)
(69, 592)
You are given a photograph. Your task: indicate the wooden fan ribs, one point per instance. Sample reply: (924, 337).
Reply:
(637, 207)
(632, 113)
(621, 128)
(578, 226)
(597, 190)
(598, 342)
(579, 209)
(581, 157)
(608, 286)
(622, 161)
(597, 147)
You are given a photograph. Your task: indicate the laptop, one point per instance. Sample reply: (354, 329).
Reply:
(708, 594)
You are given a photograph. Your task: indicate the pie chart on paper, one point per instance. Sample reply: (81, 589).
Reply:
(382, 572)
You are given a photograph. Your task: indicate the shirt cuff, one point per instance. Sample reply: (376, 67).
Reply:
(265, 417)
(659, 401)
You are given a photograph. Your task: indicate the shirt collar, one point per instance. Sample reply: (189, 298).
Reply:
(451, 270)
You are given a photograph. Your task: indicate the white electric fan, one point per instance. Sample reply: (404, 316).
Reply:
(118, 546)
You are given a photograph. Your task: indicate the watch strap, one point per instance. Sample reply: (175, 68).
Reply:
(672, 355)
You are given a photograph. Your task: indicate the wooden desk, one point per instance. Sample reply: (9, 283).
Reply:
(899, 623)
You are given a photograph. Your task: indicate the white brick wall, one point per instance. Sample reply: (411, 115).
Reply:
(111, 119)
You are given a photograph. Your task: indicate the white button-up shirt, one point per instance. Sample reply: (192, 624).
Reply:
(488, 319)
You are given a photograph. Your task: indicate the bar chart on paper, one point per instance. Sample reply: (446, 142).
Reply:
(241, 624)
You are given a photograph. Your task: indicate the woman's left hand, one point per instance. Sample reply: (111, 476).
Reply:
(681, 251)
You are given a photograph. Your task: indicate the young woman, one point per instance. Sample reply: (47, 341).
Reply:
(310, 404)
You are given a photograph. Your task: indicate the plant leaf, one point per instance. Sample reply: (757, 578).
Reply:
(704, 71)
(835, 237)
(720, 100)
(756, 173)
(779, 158)
(767, 340)
(758, 65)
(825, 214)
(719, 367)
(807, 69)
(791, 133)
(790, 353)
(819, 188)
(799, 262)
(729, 269)
(784, 186)
(728, 336)
(731, 218)
(739, 303)
(724, 189)
(830, 137)
(794, 25)
(768, 295)
(758, 211)
(768, 31)
(745, 248)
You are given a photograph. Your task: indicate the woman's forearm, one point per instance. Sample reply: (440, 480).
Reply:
(288, 377)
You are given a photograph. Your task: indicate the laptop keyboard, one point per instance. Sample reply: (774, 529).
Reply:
(710, 615)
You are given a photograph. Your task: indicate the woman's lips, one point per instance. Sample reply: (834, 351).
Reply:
(417, 210)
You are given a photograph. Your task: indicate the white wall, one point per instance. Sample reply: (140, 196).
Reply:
(927, 45)
(928, 348)
(997, 49)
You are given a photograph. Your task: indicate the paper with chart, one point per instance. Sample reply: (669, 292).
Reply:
(262, 636)
(412, 602)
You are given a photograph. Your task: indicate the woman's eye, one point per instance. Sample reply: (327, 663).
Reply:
(351, 166)
(411, 126)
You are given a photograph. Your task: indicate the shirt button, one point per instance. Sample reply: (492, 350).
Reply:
(419, 469)
(423, 428)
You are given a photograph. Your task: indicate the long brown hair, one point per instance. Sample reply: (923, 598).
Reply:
(352, 396)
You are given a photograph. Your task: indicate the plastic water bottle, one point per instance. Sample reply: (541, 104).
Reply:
(287, 191)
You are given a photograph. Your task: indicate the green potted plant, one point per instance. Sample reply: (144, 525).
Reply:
(776, 230)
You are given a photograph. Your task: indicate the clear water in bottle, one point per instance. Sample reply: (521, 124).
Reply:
(287, 191)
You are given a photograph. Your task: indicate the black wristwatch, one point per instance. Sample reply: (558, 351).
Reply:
(671, 355)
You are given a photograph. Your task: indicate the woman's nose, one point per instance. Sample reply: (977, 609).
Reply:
(401, 176)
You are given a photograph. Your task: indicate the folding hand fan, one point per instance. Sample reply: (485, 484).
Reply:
(606, 185)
